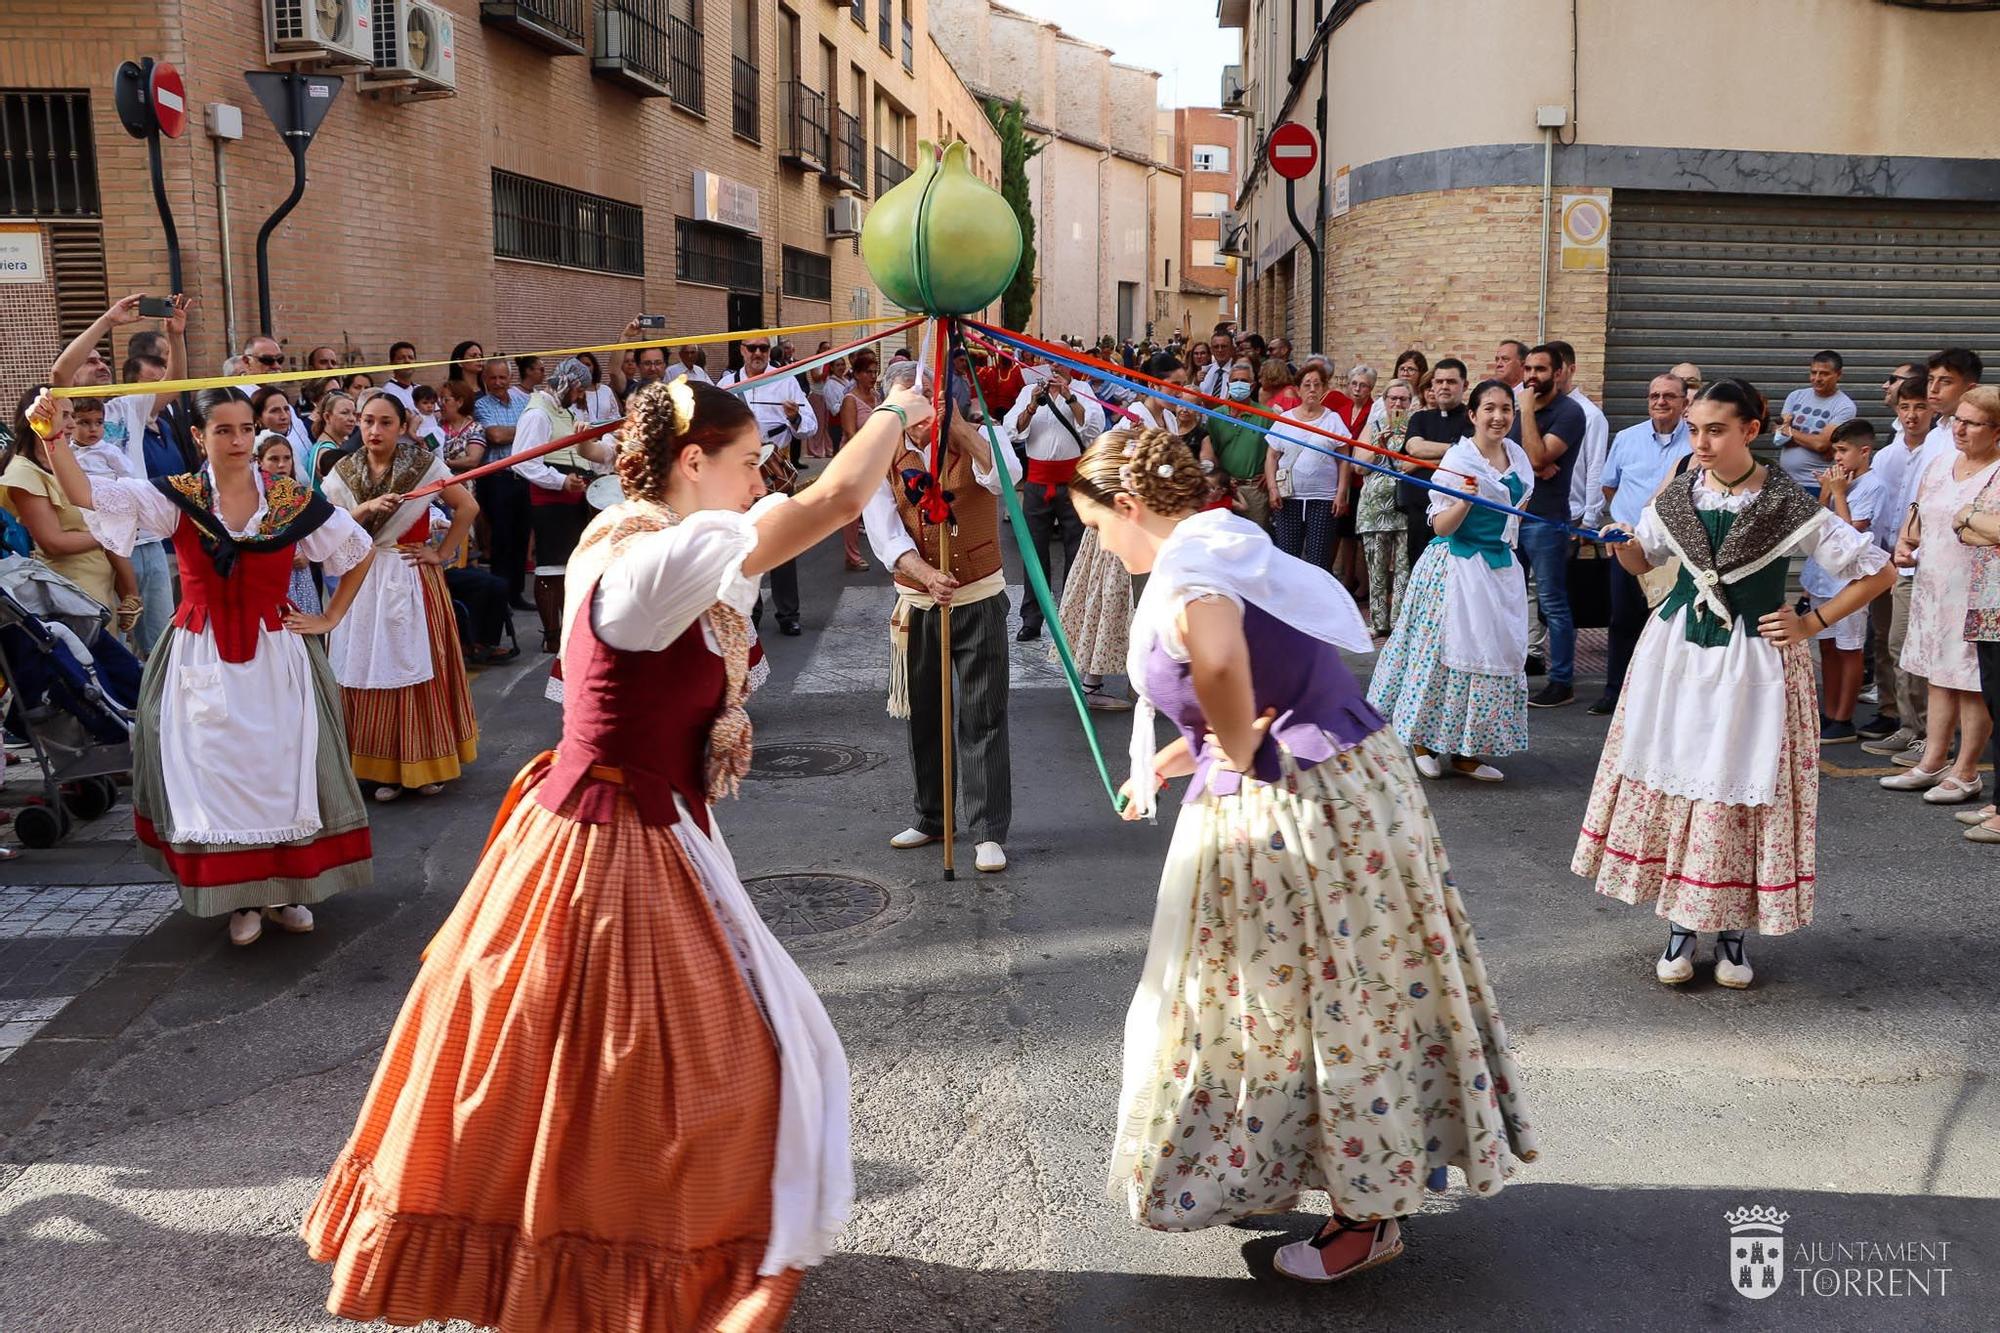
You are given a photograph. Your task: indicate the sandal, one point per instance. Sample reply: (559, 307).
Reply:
(1305, 1260)
(385, 794)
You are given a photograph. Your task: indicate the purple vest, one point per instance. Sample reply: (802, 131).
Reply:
(1321, 708)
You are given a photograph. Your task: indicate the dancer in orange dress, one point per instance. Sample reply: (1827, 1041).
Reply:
(612, 1101)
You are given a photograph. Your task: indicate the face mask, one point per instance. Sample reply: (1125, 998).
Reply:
(1239, 391)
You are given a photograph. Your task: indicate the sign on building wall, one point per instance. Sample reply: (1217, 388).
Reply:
(1586, 233)
(724, 202)
(21, 253)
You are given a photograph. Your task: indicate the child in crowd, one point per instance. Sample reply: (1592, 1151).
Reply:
(424, 429)
(1899, 723)
(275, 459)
(86, 440)
(1851, 490)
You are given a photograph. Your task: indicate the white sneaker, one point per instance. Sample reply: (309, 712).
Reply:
(292, 918)
(1732, 965)
(1427, 764)
(1677, 963)
(245, 927)
(988, 858)
(910, 838)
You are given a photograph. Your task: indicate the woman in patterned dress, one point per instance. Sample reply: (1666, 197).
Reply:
(1314, 1013)
(1451, 676)
(612, 1101)
(1379, 523)
(1707, 795)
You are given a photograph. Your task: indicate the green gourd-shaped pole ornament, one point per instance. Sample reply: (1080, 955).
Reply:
(943, 242)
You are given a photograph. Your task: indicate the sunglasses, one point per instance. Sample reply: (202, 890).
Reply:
(269, 360)
(756, 347)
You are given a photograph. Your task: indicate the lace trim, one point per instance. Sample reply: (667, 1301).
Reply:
(1749, 791)
(1727, 502)
(241, 837)
(353, 549)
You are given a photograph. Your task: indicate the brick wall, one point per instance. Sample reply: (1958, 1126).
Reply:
(31, 344)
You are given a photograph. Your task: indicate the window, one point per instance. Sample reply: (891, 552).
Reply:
(48, 160)
(552, 224)
(808, 275)
(1210, 157)
(885, 23)
(1210, 203)
(717, 256)
(1201, 254)
(858, 11)
(909, 39)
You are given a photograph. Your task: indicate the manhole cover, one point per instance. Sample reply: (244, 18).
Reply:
(800, 906)
(808, 759)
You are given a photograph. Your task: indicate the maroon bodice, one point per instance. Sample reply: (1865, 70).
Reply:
(644, 714)
(255, 595)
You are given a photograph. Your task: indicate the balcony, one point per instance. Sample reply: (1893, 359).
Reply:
(849, 166)
(802, 138)
(909, 47)
(743, 109)
(553, 25)
(632, 46)
(889, 173)
(684, 52)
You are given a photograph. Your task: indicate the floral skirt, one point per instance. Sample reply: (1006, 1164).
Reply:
(1430, 704)
(1706, 865)
(1314, 1014)
(573, 1126)
(1097, 608)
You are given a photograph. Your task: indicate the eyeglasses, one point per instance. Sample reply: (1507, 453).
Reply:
(756, 347)
(1967, 423)
(269, 360)
(1665, 397)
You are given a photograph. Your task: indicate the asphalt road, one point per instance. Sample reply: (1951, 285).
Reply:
(172, 1124)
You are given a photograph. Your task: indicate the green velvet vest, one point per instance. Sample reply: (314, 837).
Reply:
(1751, 598)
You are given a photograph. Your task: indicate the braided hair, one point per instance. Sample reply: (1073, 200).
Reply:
(1152, 466)
(663, 419)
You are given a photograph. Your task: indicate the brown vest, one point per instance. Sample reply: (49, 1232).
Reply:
(974, 549)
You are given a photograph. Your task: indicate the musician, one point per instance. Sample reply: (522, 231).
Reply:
(556, 481)
(785, 417)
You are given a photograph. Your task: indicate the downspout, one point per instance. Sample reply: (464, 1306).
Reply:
(1548, 200)
(228, 254)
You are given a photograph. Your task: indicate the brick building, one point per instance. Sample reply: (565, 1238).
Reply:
(1702, 202)
(1202, 143)
(595, 159)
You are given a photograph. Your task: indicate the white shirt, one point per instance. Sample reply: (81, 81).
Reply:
(1893, 466)
(125, 420)
(601, 404)
(105, 459)
(768, 399)
(1587, 478)
(1315, 474)
(676, 370)
(887, 536)
(1047, 438)
(833, 393)
(404, 394)
(534, 429)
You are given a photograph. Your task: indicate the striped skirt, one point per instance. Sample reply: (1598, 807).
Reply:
(420, 733)
(216, 879)
(574, 1125)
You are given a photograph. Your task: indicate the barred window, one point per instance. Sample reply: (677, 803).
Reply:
(808, 275)
(48, 159)
(552, 224)
(717, 256)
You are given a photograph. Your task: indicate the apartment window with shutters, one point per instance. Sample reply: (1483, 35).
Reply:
(1210, 157)
(1210, 203)
(807, 275)
(553, 224)
(1201, 253)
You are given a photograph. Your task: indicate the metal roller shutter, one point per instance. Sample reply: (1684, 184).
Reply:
(1753, 286)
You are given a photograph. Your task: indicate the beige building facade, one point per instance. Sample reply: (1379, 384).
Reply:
(591, 160)
(1098, 240)
(1845, 196)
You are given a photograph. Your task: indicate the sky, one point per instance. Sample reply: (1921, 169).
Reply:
(1176, 37)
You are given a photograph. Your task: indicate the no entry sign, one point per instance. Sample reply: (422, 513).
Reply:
(169, 98)
(1292, 150)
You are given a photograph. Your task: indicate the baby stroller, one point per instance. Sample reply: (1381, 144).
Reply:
(71, 690)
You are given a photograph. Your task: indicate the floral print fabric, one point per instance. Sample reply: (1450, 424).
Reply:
(1707, 865)
(1315, 1014)
(1096, 609)
(1430, 704)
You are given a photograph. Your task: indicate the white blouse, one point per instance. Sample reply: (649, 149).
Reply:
(128, 512)
(662, 582)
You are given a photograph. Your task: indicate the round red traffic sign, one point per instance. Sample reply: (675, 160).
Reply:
(1292, 150)
(169, 98)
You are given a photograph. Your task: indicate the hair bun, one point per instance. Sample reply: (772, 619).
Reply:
(1153, 466)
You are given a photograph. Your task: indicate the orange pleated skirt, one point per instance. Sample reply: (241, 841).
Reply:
(424, 733)
(573, 1126)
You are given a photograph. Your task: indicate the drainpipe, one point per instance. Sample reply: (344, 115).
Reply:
(228, 256)
(1103, 225)
(1548, 200)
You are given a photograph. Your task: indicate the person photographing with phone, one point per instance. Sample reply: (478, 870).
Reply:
(784, 418)
(1051, 423)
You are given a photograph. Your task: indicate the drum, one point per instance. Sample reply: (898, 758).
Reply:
(604, 492)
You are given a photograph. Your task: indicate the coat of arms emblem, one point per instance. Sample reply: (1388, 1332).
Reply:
(1756, 1250)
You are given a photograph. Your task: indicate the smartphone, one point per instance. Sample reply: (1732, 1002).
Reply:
(155, 307)
(652, 321)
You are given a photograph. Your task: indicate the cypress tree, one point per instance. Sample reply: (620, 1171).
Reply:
(1017, 303)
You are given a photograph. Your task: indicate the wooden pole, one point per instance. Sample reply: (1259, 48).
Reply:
(940, 443)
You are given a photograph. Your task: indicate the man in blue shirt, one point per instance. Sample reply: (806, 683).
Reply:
(1549, 427)
(503, 495)
(1641, 459)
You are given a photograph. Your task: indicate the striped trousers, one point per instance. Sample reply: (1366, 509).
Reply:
(979, 701)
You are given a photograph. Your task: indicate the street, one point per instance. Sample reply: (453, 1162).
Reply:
(162, 1132)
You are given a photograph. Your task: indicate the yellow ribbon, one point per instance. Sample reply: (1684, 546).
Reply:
(342, 372)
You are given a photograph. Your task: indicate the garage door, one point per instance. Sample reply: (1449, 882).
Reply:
(1753, 286)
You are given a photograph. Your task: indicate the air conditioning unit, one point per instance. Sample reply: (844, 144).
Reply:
(415, 49)
(338, 34)
(1232, 87)
(1235, 235)
(843, 216)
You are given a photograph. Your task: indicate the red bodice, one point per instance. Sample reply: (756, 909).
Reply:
(646, 714)
(255, 595)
